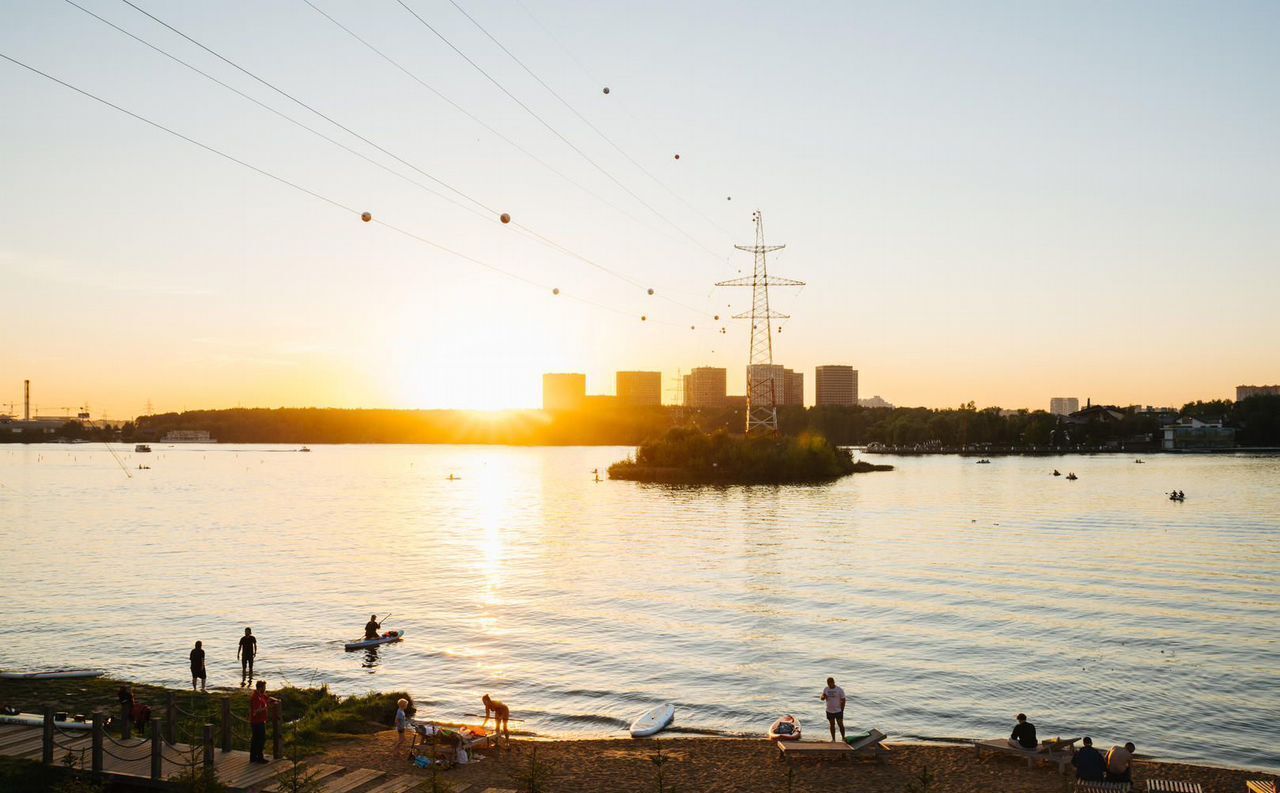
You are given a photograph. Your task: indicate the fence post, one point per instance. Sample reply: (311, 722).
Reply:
(46, 738)
(226, 724)
(277, 746)
(208, 747)
(97, 741)
(157, 749)
(126, 721)
(171, 719)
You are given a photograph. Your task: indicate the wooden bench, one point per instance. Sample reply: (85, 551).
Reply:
(1083, 786)
(824, 751)
(1260, 786)
(1056, 752)
(1173, 786)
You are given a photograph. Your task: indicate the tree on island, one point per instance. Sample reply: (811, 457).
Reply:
(687, 455)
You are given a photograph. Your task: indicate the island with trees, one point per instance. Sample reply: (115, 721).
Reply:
(687, 455)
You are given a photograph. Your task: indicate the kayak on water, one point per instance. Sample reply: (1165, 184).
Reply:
(786, 728)
(36, 720)
(386, 638)
(653, 721)
(52, 674)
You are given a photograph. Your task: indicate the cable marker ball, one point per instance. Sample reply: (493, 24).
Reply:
(555, 291)
(504, 217)
(366, 217)
(606, 89)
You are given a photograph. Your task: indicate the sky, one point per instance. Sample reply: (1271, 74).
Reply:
(996, 202)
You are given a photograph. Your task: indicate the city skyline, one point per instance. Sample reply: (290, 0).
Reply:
(968, 231)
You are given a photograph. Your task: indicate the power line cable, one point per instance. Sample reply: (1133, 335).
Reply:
(584, 119)
(282, 115)
(493, 213)
(556, 132)
(330, 201)
(444, 98)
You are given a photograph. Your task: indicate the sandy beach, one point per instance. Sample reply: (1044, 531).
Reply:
(712, 765)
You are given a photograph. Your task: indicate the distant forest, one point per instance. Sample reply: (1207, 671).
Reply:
(1257, 421)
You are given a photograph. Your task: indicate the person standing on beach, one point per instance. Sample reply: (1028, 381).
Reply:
(501, 716)
(402, 721)
(833, 695)
(246, 652)
(197, 666)
(1024, 734)
(259, 709)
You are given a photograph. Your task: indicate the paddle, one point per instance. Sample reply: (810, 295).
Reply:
(478, 716)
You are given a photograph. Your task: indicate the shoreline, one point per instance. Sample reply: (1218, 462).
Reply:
(376, 709)
(753, 765)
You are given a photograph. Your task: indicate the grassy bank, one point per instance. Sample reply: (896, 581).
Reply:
(315, 715)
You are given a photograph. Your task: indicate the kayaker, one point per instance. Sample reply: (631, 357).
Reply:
(501, 716)
(246, 652)
(833, 695)
(197, 666)
(372, 627)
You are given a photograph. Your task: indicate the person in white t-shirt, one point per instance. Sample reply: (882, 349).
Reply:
(833, 695)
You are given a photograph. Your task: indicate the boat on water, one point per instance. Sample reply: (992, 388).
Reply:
(386, 638)
(142, 448)
(304, 449)
(653, 720)
(786, 728)
(52, 674)
(1072, 477)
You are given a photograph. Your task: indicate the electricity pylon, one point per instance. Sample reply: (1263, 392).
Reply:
(762, 410)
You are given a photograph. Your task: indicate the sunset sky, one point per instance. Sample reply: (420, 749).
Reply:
(997, 202)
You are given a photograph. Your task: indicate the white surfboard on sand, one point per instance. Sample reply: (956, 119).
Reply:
(653, 721)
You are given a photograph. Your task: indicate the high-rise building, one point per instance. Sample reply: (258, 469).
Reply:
(835, 385)
(1243, 392)
(793, 387)
(564, 391)
(705, 387)
(639, 388)
(1062, 406)
(774, 374)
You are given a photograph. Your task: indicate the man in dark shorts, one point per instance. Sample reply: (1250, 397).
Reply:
(372, 627)
(1024, 734)
(197, 666)
(245, 652)
(833, 695)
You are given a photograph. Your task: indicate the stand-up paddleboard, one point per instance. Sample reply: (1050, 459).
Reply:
(386, 638)
(653, 721)
(37, 720)
(52, 674)
(786, 728)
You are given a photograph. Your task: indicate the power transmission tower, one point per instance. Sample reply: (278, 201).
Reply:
(762, 410)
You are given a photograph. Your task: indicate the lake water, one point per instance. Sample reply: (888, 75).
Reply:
(944, 596)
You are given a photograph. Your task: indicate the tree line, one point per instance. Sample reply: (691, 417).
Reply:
(1257, 423)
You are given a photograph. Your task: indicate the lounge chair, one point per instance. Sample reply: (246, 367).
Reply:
(1057, 751)
(1173, 786)
(1260, 786)
(870, 746)
(1083, 786)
